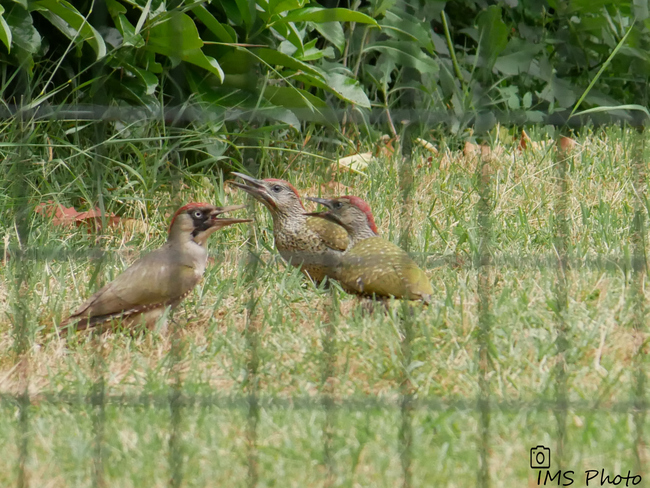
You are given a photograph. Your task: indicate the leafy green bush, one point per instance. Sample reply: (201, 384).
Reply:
(467, 62)
(261, 54)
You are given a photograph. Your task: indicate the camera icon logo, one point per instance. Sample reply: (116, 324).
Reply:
(540, 457)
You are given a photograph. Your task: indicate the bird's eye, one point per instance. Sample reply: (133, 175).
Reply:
(198, 214)
(277, 188)
(338, 205)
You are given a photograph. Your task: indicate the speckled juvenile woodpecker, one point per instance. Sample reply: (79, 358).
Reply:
(372, 265)
(313, 244)
(160, 279)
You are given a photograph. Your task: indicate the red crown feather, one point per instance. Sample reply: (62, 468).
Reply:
(185, 208)
(365, 208)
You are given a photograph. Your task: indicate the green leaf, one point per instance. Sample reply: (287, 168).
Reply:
(641, 9)
(115, 8)
(247, 10)
(381, 72)
(290, 33)
(69, 21)
(150, 63)
(348, 89)
(129, 37)
(5, 31)
(517, 58)
(283, 115)
(216, 27)
(378, 7)
(635, 107)
(601, 70)
(405, 27)
(274, 58)
(149, 80)
(310, 107)
(333, 32)
(342, 86)
(406, 54)
(232, 12)
(206, 62)
(279, 6)
(177, 37)
(320, 15)
(24, 35)
(493, 34)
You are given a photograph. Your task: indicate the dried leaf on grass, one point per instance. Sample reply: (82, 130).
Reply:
(355, 163)
(483, 150)
(427, 145)
(69, 216)
(384, 146)
(566, 144)
(525, 142)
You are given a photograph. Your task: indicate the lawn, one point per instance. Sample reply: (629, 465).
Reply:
(265, 379)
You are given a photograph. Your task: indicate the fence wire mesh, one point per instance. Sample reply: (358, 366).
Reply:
(104, 404)
(392, 429)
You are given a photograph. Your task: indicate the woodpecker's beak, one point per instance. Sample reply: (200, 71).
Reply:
(323, 201)
(327, 215)
(219, 223)
(256, 188)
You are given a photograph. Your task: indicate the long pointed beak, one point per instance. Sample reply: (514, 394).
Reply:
(223, 222)
(248, 179)
(324, 215)
(254, 187)
(323, 201)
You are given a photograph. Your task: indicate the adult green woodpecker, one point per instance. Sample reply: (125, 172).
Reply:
(312, 244)
(160, 279)
(372, 265)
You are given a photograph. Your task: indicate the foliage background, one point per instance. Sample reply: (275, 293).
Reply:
(467, 62)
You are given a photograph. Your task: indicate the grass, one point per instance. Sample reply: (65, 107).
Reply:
(102, 410)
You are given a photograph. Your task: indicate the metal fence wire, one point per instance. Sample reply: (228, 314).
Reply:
(249, 413)
(178, 399)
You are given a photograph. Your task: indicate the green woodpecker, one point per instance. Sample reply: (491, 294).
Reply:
(314, 245)
(160, 279)
(372, 265)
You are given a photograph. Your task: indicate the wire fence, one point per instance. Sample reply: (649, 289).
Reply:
(252, 400)
(253, 403)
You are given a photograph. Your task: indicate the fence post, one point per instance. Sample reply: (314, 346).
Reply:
(407, 188)
(483, 264)
(328, 379)
(562, 156)
(639, 271)
(251, 386)
(21, 313)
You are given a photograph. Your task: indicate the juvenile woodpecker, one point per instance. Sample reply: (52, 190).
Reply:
(312, 244)
(160, 279)
(372, 265)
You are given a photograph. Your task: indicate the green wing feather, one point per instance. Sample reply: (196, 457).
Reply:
(151, 280)
(377, 266)
(334, 236)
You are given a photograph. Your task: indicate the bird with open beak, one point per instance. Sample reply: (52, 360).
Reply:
(161, 279)
(372, 266)
(312, 244)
